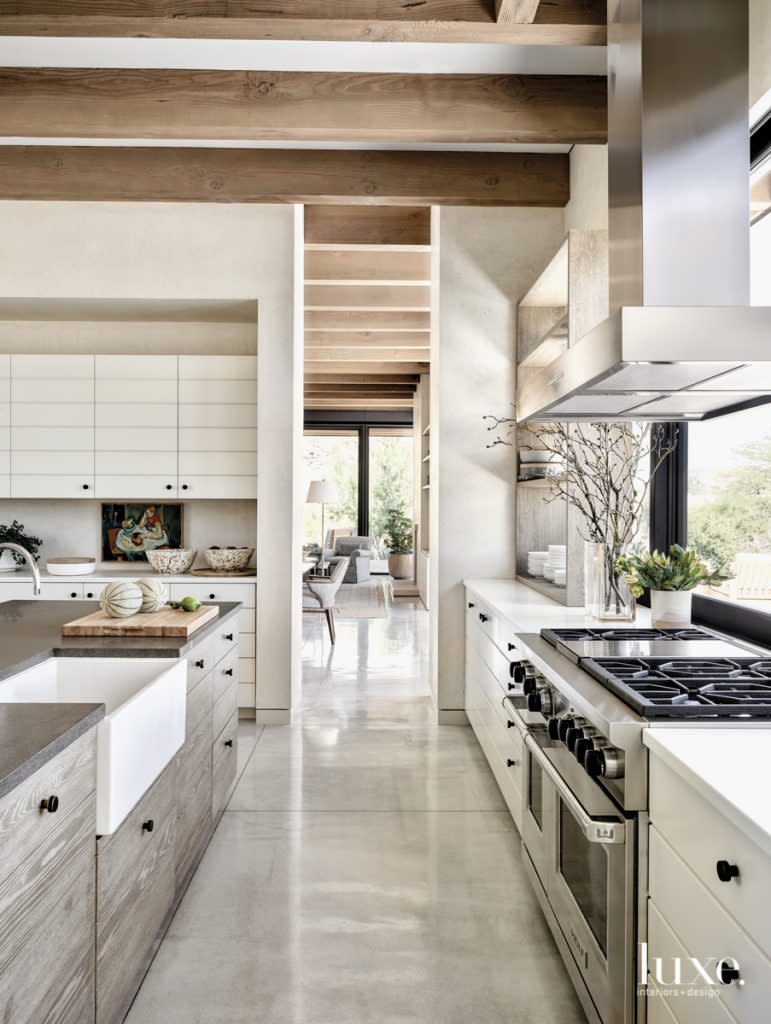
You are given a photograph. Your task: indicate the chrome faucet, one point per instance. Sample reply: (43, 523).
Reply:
(19, 550)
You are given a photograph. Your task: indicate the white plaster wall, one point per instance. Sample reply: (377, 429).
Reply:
(193, 251)
(488, 260)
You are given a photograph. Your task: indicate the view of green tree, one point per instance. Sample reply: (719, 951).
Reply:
(390, 479)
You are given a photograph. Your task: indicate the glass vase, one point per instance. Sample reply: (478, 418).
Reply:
(606, 596)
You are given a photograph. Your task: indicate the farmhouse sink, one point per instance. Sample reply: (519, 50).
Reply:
(144, 724)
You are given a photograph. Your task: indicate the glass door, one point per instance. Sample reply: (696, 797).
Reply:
(390, 483)
(332, 455)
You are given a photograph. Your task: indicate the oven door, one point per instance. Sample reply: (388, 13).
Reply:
(538, 809)
(590, 880)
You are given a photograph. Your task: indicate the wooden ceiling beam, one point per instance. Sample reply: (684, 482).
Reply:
(366, 339)
(557, 23)
(359, 354)
(322, 368)
(368, 225)
(361, 320)
(354, 379)
(369, 297)
(301, 106)
(357, 403)
(169, 174)
(339, 267)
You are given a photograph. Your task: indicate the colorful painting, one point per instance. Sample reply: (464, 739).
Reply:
(130, 530)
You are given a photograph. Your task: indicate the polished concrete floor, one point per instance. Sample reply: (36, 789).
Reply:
(366, 870)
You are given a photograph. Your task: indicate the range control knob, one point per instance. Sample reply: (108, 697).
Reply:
(578, 733)
(541, 701)
(606, 762)
(553, 728)
(583, 746)
(569, 722)
(532, 683)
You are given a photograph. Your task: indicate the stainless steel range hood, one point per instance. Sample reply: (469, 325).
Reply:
(682, 341)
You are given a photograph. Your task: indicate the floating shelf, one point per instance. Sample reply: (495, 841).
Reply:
(544, 586)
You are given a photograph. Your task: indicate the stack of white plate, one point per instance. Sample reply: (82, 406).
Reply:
(556, 562)
(536, 561)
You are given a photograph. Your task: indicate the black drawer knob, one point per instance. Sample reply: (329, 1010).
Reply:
(728, 975)
(89, 594)
(148, 826)
(482, 617)
(228, 743)
(211, 597)
(184, 487)
(510, 763)
(471, 604)
(74, 594)
(726, 871)
(512, 647)
(85, 487)
(511, 725)
(169, 487)
(199, 664)
(228, 671)
(229, 636)
(50, 804)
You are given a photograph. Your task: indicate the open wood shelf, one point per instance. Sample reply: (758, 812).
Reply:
(544, 586)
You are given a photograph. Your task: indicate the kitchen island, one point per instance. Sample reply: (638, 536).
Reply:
(82, 913)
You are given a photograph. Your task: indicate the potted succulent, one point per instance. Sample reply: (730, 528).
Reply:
(398, 534)
(671, 579)
(15, 534)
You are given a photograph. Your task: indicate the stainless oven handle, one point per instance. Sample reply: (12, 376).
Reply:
(609, 833)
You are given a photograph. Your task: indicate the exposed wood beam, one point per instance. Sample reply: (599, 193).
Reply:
(374, 265)
(520, 12)
(373, 297)
(315, 367)
(354, 379)
(359, 320)
(360, 354)
(358, 403)
(362, 392)
(368, 225)
(366, 339)
(558, 23)
(168, 174)
(94, 103)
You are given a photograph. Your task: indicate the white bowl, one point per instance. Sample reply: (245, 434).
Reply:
(75, 566)
(171, 560)
(537, 455)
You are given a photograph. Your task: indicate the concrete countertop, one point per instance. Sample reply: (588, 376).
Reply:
(31, 734)
(728, 765)
(31, 632)
(137, 571)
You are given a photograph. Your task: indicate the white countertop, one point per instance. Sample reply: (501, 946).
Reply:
(728, 765)
(132, 572)
(529, 611)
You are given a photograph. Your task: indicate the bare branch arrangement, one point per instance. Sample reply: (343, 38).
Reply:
(607, 468)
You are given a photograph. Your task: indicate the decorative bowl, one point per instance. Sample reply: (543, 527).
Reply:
(75, 566)
(228, 559)
(171, 560)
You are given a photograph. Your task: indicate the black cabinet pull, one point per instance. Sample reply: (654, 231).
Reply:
(510, 725)
(726, 871)
(169, 487)
(229, 636)
(148, 826)
(510, 763)
(199, 664)
(228, 671)
(512, 647)
(89, 594)
(85, 487)
(228, 743)
(74, 594)
(211, 597)
(184, 487)
(471, 604)
(728, 975)
(50, 804)
(482, 617)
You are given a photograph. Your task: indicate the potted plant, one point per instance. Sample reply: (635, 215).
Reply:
(15, 534)
(671, 579)
(398, 533)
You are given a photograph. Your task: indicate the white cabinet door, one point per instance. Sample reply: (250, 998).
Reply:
(62, 591)
(52, 426)
(218, 427)
(136, 417)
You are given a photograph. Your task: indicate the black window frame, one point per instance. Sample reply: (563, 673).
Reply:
(669, 525)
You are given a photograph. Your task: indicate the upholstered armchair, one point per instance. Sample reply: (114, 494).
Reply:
(359, 551)
(319, 592)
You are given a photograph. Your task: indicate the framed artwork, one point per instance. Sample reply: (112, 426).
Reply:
(131, 529)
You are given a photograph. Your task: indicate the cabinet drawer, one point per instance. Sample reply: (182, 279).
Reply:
(224, 760)
(706, 930)
(199, 703)
(247, 618)
(194, 785)
(214, 590)
(702, 837)
(130, 369)
(138, 487)
(232, 487)
(217, 368)
(52, 486)
(65, 591)
(218, 392)
(51, 979)
(200, 660)
(684, 1009)
(223, 675)
(54, 367)
(225, 641)
(24, 827)
(224, 707)
(507, 782)
(247, 647)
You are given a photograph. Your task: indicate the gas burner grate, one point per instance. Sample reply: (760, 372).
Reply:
(660, 688)
(626, 634)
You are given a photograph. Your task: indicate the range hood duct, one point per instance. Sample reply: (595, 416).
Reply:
(681, 341)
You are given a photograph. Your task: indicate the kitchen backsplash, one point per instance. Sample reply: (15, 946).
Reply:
(74, 527)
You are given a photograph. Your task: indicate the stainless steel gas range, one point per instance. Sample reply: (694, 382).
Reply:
(583, 700)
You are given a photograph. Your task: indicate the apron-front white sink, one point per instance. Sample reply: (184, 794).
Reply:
(143, 727)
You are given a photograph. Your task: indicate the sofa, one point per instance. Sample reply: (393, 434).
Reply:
(357, 549)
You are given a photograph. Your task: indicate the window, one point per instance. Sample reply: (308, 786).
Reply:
(332, 455)
(391, 458)
(729, 501)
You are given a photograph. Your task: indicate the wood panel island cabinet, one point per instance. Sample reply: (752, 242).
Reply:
(81, 917)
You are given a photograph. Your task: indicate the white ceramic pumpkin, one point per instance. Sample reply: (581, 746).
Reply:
(121, 599)
(155, 595)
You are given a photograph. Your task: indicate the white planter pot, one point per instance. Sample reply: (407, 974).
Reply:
(671, 607)
(400, 566)
(7, 561)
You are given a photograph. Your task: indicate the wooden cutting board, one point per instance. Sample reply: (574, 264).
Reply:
(168, 622)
